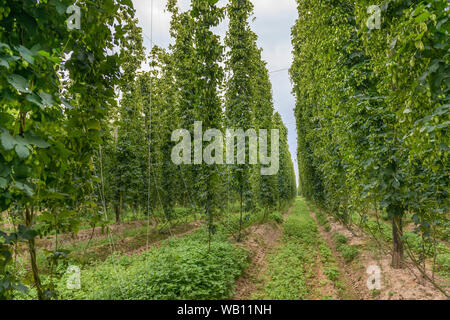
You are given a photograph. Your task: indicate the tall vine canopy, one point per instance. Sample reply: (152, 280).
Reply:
(88, 125)
(57, 86)
(372, 83)
(146, 152)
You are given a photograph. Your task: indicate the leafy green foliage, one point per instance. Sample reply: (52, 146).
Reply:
(372, 115)
(239, 97)
(443, 264)
(50, 115)
(287, 274)
(292, 266)
(330, 268)
(181, 269)
(277, 217)
(85, 132)
(340, 239)
(322, 219)
(348, 252)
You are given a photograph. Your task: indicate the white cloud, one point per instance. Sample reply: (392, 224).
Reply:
(273, 8)
(154, 24)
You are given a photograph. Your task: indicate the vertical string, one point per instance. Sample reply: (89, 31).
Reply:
(150, 125)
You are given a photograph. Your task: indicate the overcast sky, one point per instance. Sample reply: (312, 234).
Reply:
(273, 23)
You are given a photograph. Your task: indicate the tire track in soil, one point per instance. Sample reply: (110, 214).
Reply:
(350, 292)
(85, 234)
(320, 285)
(262, 239)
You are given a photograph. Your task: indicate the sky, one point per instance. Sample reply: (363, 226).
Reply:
(273, 22)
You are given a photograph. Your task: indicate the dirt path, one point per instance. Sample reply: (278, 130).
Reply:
(320, 285)
(177, 233)
(85, 234)
(138, 243)
(348, 290)
(397, 284)
(262, 239)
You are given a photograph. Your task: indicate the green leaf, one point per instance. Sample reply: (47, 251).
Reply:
(34, 98)
(5, 170)
(6, 257)
(3, 183)
(23, 187)
(22, 151)
(439, 45)
(422, 17)
(5, 118)
(4, 45)
(440, 23)
(66, 103)
(22, 171)
(444, 109)
(109, 6)
(434, 66)
(44, 53)
(128, 3)
(93, 124)
(26, 54)
(26, 233)
(20, 287)
(47, 99)
(60, 7)
(36, 141)
(4, 63)
(393, 43)
(10, 58)
(19, 83)
(7, 140)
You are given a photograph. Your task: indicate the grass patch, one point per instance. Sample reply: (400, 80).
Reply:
(183, 268)
(322, 220)
(330, 268)
(293, 263)
(443, 264)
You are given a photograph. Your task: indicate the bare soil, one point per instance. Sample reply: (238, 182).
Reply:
(140, 243)
(397, 284)
(261, 240)
(85, 234)
(179, 232)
